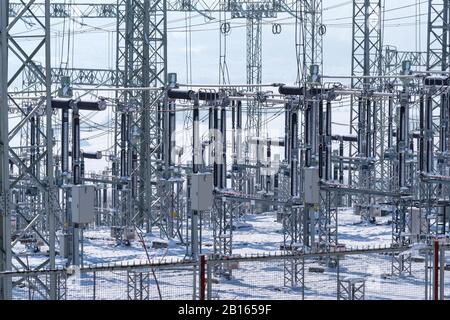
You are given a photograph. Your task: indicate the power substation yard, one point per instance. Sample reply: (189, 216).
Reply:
(225, 150)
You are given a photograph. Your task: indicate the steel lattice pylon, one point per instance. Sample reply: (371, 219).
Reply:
(366, 61)
(438, 52)
(438, 33)
(5, 220)
(367, 40)
(438, 59)
(141, 62)
(254, 70)
(313, 32)
(16, 60)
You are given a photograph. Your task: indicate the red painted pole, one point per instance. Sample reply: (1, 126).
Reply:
(436, 271)
(202, 277)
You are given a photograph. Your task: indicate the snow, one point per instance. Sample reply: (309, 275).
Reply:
(251, 280)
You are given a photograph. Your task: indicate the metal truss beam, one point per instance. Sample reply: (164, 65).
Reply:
(78, 76)
(239, 9)
(86, 77)
(393, 59)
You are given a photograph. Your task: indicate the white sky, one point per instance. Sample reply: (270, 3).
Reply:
(97, 49)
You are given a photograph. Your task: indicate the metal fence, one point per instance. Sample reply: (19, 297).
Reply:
(155, 281)
(354, 274)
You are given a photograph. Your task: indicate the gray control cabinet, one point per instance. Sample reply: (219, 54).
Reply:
(201, 191)
(83, 204)
(312, 189)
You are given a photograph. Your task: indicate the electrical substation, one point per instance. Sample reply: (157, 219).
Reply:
(186, 149)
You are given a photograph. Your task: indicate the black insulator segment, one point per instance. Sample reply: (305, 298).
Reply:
(346, 138)
(300, 91)
(180, 94)
(60, 103)
(191, 95)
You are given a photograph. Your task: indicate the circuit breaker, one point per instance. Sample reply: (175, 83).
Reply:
(201, 191)
(83, 204)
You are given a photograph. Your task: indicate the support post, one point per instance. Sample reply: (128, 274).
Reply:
(76, 172)
(441, 272)
(50, 194)
(5, 218)
(209, 281)
(436, 270)
(202, 277)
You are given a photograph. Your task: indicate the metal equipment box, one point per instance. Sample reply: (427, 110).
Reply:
(201, 191)
(129, 234)
(312, 189)
(83, 204)
(116, 232)
(374, 211)
(419, 224)
(65, 243)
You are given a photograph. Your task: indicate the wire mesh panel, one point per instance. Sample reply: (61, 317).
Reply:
(251, 280)
(147, 282)
(31, 287)
(447, 276)
(132, 284)
(174, 283)
(357, 275)
(320, 279)
(375, 271)
(354, 277)
(101, 285)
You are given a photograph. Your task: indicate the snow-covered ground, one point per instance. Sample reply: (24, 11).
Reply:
(259, 234)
